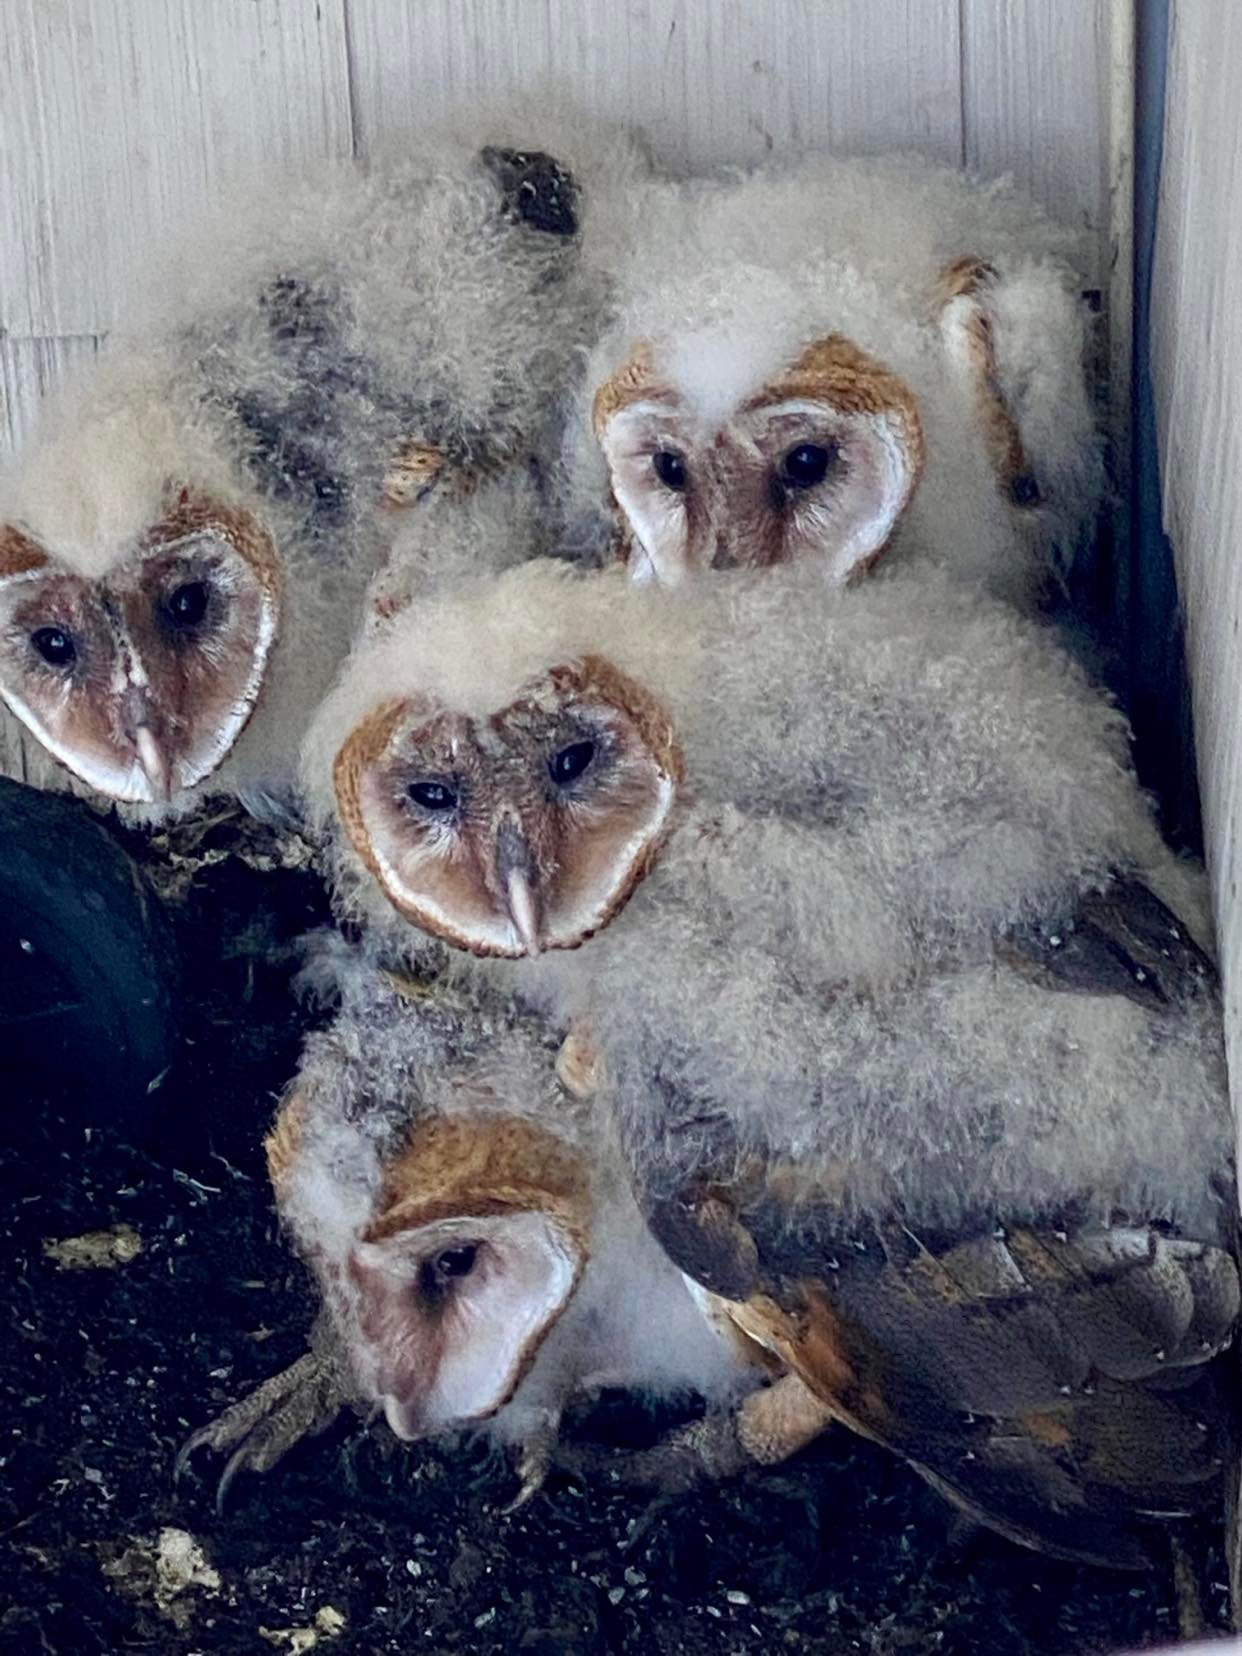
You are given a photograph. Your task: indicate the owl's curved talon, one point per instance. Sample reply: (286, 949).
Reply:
(536, 1459)
(577, 1063)
(301, 1401)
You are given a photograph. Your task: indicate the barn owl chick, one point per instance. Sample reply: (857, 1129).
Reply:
(821, 360)
(919, 1080)
(473, 780)
(185, 543)
(471, 1232)
(838, 773)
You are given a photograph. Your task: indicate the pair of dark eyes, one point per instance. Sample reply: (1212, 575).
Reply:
(801, 468)
(183, 610)
(448, 1266)
(564, 767)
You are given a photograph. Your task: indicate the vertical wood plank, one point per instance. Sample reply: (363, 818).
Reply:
(1035, 102)
(707, 80)
(1197, 363)
(115, 116)
(29, 369)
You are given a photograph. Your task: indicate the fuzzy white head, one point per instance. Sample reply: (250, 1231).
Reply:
(503, 780)
(820, 460)
(787, 361)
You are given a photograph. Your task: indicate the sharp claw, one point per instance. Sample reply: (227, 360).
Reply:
(299, 1402)
(235, 1464)
(194, 1442)
(532, 1483)
(534, 1463)
(216, 1434)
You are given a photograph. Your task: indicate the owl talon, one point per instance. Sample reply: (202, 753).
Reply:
(766, 1428)
(690, 1459)
(301, 1401)
(536, 1459)
(577, 1063)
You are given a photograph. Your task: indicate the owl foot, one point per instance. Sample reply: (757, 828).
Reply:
(301, 1401)
(767, 1427)
(537, 1455)
(577, 1063)
(691, 1458)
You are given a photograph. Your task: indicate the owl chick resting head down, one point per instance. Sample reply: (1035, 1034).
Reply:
(479, 1254)
(185, 542)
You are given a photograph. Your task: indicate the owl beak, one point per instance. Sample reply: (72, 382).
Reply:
(153, 762)
(515, 867)
(136, 722)
(522, 910)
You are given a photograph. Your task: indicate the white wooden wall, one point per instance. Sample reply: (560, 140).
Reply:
(116, 113)
(1197, 362)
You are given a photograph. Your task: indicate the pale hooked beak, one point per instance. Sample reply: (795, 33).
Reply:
(136, 723)
(153, 762)
(514, 868)
(522, 910)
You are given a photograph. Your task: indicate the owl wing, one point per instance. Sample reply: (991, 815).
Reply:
(1062, 1387)
(1119, 941)
(1065, 1385)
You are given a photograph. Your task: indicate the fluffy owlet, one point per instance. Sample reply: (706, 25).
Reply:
(821, 360)
(477, 1251)
(508, 766)
(918, 1077)
(185, 543)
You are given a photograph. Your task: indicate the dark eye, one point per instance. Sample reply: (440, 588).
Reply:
(432, 796)
(448, 1266)
(55, 646)
(1024, 491)
(805, 466)
(670, 468)
(568, 765)
(186, 604)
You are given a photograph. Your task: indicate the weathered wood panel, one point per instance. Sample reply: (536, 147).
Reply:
(118, 116)
(29, 368)
(116, 113)
(1197, 362)
(1035, 99)
(707, 80)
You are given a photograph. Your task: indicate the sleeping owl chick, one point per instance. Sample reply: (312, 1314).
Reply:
(185, 543)
(818, 360)
(844, 774)
(472, 1235)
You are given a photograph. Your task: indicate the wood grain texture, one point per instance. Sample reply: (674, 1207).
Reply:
(114, 114)
(120, 118)
(29, 369)
(1035, 99)
(1197, 364)
(706, 80)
